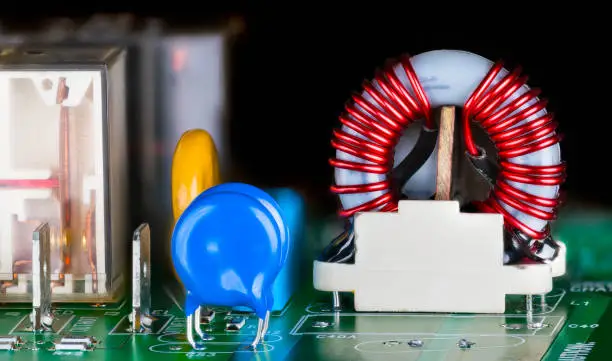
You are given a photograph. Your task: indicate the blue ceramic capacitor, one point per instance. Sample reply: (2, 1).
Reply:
(228, 247)
(267, 201)
(290, 204)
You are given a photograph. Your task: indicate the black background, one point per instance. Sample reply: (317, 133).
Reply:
(292, 70)
(293, 76)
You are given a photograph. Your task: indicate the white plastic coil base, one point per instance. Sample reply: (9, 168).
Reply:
(430, 257)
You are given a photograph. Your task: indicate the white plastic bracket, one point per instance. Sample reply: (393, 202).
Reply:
(430, 257)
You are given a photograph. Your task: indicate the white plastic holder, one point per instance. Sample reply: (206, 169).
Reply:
(430, 257)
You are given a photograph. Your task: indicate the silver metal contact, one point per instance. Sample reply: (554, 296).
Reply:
(141, 278)
(41, 279)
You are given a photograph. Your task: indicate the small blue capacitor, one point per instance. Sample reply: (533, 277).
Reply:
(286, 206)
(268, 202)
(228, 246)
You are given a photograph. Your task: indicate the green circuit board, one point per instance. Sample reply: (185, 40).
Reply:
(576, 318)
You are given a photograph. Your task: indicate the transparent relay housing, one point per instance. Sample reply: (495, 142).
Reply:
(62, 162)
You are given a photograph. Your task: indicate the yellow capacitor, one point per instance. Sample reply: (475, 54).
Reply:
(195, 168)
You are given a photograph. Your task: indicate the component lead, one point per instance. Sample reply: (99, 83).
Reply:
(190, 337)
(266, 325)
(262, 327)
(531, 323)
(41, 316)
(529, 308)
(337, 306)
(141, 279)
(543, 305)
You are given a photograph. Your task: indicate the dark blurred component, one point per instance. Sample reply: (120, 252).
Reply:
(192, 94)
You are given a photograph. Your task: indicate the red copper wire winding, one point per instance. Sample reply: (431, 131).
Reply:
(383, 128)
(513, 141)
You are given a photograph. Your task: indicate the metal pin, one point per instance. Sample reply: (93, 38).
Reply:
(141, 278)
(190, 337)
(531, 324)
(255, 342)
(337, 306)
(265, 325)
(261, 330)
(529, 307)
(543, 304)
(41, 279)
